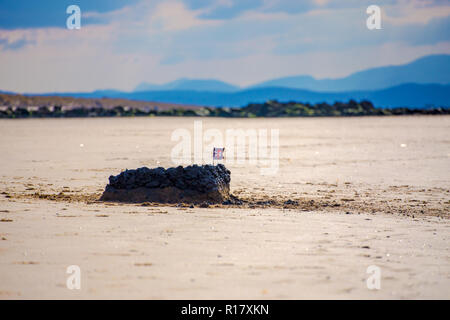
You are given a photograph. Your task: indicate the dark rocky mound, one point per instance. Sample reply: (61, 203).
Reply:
(192, 184)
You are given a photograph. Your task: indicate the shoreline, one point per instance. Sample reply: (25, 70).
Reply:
(269, 109)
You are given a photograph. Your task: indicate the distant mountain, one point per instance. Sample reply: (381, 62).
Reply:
(421, 83)
(426, 70)
(432, 69)
(189, 84)
(405, 95)
(409, 95)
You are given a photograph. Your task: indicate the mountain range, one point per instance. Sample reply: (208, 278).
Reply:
(422, 83)
(426, 70)
(189, 84)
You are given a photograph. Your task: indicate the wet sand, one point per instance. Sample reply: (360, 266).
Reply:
(368, 191)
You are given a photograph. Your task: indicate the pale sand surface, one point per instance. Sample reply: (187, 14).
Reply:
(390, 174)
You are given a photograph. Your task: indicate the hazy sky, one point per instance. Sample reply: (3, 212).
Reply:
(123, 43)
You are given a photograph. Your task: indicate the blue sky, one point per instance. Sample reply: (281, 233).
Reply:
(122, 43)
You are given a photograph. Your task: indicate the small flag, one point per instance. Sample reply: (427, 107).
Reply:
(218, 153)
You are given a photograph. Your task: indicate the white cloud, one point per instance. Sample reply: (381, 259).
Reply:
(173, 16)
(321, 2)
(409, 12)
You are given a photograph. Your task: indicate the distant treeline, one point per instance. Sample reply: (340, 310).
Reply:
(268, 109)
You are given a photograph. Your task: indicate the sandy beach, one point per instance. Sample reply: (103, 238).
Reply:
(371, 191)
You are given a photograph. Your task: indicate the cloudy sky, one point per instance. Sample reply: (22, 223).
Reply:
(122, 43)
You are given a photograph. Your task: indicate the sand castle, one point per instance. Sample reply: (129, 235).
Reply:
(192, 184)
